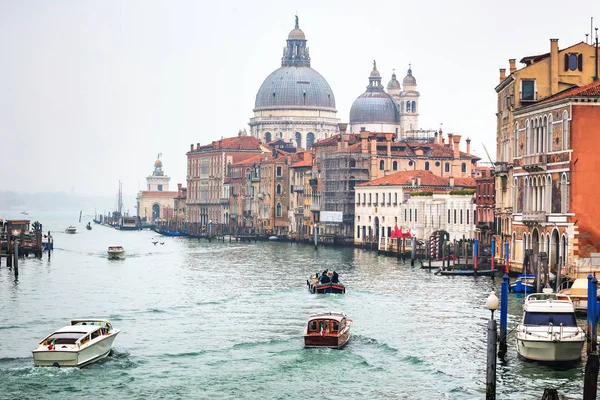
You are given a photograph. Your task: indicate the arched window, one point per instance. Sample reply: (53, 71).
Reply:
(278, 210)
(352, 163)
(463, 167)
(155, 211)
(565, 133)
(527, 137)
(280, 135)
(310, 139)
(278, 190)
(402, 106)
(267, 137)
(514, 241)
(298, 139)
(352, 183)
(426, 165)
(549, 133)
(395, 165)
(381, 165)
(447, 167)
(544, 138)
(408, 106)
(414, 107)
(564, 194)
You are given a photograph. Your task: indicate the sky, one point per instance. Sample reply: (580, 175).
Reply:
(92, 91)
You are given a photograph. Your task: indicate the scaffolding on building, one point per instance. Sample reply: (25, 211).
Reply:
(418, 135)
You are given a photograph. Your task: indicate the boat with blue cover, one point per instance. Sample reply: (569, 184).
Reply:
(524, 283)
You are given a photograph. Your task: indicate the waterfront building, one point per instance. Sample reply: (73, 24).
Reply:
(542, 76)
(485, 194)
(347, 160)
(295, 103)
(207, 197)
(394, 111)
(555, 167)
(241, 175)
(179, 208)
(417, 200)
(301, 218)
(156, 203)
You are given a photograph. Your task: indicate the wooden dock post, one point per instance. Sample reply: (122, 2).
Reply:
(16, 260)
(9, 245)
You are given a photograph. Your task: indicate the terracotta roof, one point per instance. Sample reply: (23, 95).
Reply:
(333, 140)
(232, 143)
(403, 178)
(528, 60)
(306, 160)
(250, 161)
(589, 90)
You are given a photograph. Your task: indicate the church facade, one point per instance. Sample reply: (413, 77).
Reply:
(156, 203)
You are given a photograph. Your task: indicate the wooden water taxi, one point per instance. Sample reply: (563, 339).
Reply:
(331, 329)
(326, 283)
(116, 252)
(71, 229)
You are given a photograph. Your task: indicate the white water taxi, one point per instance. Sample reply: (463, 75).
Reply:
(71, 229)
(548, 330)
(83, 342)
(116, 252)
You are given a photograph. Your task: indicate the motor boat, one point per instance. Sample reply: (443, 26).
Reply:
(274, 238)
(325, 284)
(523, 284)
(578, 294)
(331, 329)
(83, 342)
(548, 330)
(88, 226)
(116, 252)
(71, 229)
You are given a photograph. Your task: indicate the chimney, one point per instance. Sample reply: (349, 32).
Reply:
(450, 139)
(502, 74)
(553, 66)
(451, 181)
(456, 139)
(373, 142)
(435, 138)
(418, 181)
(197, 146)
(343, 128)
(412, 181)
(440, 137)
(468, 145)
(511, 65)
(388, 139)
(192, 147)
(363, 142)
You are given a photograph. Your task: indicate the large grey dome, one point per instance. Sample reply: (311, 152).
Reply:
(374, 107)
(293, 87)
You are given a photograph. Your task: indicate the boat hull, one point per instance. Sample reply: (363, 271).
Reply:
(73, 357)
(467, 272)
(332, 342)
(550, 351)
(323, 288)
(116, 255)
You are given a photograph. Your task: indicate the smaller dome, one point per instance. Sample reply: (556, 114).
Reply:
(296, 34)
(393, 84)
(157, 164)
(409, 79)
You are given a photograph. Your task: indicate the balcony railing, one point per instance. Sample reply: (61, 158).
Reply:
(534, 162)
(315, 207)
(299, 210)
(534, 217)
(298, 188)
(224, 200)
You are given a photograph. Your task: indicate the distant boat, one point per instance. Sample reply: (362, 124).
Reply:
(116, 252)
(274, 238)
(88, 226)
(24, 213)
(71, 229)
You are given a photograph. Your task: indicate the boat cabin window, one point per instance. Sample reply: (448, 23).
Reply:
(544, 318)
(335, 326)
(342, 323)
(64, 338)
(312, 326)
(95, 334)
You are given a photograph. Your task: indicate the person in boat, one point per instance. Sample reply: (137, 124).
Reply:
(335, 278)
(324, 279)
(325, 272)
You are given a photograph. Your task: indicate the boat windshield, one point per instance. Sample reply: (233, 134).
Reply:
(545, 318)
(65, 337)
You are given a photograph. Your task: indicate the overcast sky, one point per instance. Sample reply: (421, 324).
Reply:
(91, 91)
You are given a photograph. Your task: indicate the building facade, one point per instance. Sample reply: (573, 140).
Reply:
(485, 201)
(156, 203)
(542, 76)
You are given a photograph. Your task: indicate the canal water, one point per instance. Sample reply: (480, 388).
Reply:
(225, 320)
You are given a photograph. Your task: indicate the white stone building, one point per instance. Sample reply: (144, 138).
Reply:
(383, 203)
(156, 203)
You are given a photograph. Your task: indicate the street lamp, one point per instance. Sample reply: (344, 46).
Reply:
(490, 381)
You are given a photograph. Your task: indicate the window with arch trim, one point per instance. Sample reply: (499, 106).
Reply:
(565, 133)
(267, 137)
(381, 165)
(395, 166)
(426, 165)
(463, 167)
(447, 167)
(278, 190)
(413, 107)
(549, 131)
(516, 147)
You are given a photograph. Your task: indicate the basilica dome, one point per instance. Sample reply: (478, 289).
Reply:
(293, 87)
(374, 105)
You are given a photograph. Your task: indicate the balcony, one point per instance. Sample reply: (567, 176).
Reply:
(254, 178)
(261, 196)
(533, 217)
(224, 200)
(298, 188)
(315, 207)
(299, 210)
(534, 162)
(501, 168)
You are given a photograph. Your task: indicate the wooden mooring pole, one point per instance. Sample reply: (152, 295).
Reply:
(590, 380)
